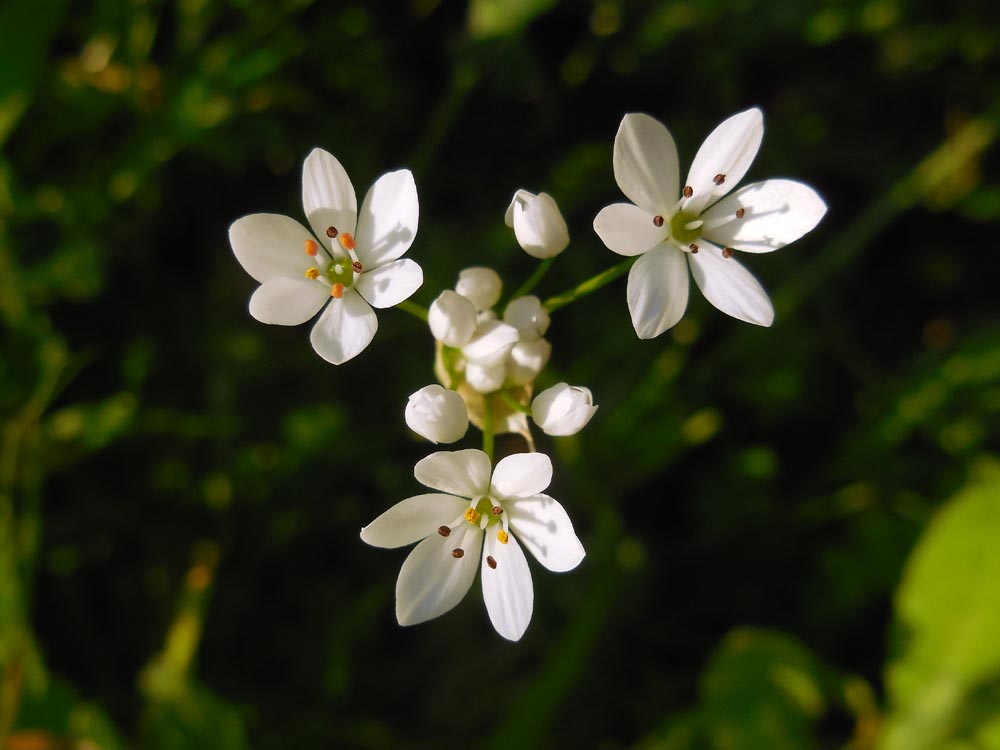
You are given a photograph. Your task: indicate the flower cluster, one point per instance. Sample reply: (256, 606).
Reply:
(488, 355)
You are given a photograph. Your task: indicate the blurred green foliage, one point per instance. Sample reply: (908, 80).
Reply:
(791, 532)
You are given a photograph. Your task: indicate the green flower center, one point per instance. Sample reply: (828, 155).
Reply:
(679, 230)
(340, 271)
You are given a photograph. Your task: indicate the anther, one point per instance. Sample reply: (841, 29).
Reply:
(346, 241)
(491, 562)
(444, 530)
(719, 179)
(502, 536)
(356, 265)
(471, 515)
(496, 510)
(693, 248)
(337, 291)
(688, 191)
(312, 273)
(727, 252)
(458, 553)
(311, 248)
(657, 221)
(331, 232)
(740, 212)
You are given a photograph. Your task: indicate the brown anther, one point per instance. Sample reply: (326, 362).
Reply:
(693, 248)
(337, 291)
(740, 212)
(356, 265)
(657, 221)
(444, 530)
(331, 232)
(727, 252)
(688, 191)
(457, 553)
(491, 562)
(719, 179)
(496, 510)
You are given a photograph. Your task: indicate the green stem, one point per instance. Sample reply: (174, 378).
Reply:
(535, 277)
(413, 309)
(590, 285)
(488, 426)
(513, 403)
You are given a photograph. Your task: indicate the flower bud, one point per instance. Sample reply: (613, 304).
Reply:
(491, 343)
(452, 319)
(437, 414)
(538, 226)
(481, 285)
(485, 378)
(528, 316)
(563, 409)
(527, 360)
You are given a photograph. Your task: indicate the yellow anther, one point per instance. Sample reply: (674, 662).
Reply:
(471, 516)
(346, 240)
(502, 536)
(311, 248)
(337, 291)
(312, 273)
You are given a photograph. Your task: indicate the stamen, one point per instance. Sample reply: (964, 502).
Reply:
(727, 252)
(491, 562)
(688, 191)
(496, 510)
(444, 530)
(346, 241)
(657, 221)
(312, 273)
(471, 515)
(458, 553)
(311, 248)
(502, 536)
(719, 179)
(693, 248)
(331, 232)
(337, 291)
(356, 265)
(740, 212)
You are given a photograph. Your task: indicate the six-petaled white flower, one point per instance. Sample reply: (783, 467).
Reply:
(355, 264)
(666, 223)
(478, 515)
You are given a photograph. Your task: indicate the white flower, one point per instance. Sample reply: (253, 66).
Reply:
(563, 409)
(437, 414)
(481, 285)
(538, 226)
(439, 571)
(354, 266)
(665, 223)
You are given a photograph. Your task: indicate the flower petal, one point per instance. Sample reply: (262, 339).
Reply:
(390, 284)
(269, 245)
(285, 301)
(344, 329)
(521, 475)
(413, 519)
(507, 588)
(729, 286)
(328, 195)
(628, 229)
(527, 360)
(388, 220)
(452, 318)
(775, 213)
(544, 527)
(432, 580)
(728, 151)
(491, 343)
(657, 291)
(465, 473)
(645, 163)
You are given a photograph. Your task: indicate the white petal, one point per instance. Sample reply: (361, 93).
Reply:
(328, 195)
(465, 473)
(729, 286)
(390, 284)
(269, 245)
(480, 284)
(538, 225)
(507, 588)
(645, 163)
(527, 360)
(563, 409)
(728, 151)
(776, 212)
(413, 519)
(285, 301)
(387, 223)
(528, 316)
(628, 229)
(521, 475)
(491, 343)
(542, 524)
(344, 329)
(452, 318)
(437, 414)
(432, 580)
(657, 291)
(485, 378)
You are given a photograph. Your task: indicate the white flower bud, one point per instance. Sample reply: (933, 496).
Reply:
(437, 414)
(491, 343)
(481, 285)
(538, 226)
(528, 359)
(485, 378)
(528, 316)
(452, 319)
(563, 409)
